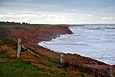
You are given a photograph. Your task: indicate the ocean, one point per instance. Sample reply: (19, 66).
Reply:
(94, 41)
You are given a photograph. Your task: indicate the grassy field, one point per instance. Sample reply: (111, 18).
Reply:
(10, 67)
(14, 25)
(23, 68)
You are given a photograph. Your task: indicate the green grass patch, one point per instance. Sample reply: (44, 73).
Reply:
(18, 69)
(2, 55)
(15, 25)
(22, 69)
(51, 63)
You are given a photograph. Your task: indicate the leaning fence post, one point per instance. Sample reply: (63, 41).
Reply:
(18, 48)
(109, 71)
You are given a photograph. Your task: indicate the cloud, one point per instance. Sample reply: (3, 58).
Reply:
(47, 17)
(58, 12)
(108, 18)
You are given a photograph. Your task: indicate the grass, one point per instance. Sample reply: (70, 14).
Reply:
(2, 55)
(17, 69)
(14, 25)
(46, 65)
(9, 66)
(22, 69)
(8, 51)
(51, 63)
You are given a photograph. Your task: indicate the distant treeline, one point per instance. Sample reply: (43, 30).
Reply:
(24, 23)
(12, 23)
(19, 25)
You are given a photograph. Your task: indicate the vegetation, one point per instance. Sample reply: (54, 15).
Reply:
(22, 69)
(18, 25)
(46, 65)
(2, 55)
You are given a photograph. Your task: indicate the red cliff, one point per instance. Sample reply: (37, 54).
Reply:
(39, 34)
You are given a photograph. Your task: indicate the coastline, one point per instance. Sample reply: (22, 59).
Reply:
(34, 36)
(30, 39)
(60, 44)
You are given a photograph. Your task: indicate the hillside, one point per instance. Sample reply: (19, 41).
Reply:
(46, 63)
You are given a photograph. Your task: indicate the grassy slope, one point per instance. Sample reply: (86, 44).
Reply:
(46, 65)
(29, 65)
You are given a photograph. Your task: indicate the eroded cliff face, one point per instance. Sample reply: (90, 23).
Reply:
(34, 36)
(39, 34)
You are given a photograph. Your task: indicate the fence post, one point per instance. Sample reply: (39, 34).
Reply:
(18, 48)
(109, 71)
(61, 58)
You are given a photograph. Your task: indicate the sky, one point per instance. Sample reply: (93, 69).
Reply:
(58, 11)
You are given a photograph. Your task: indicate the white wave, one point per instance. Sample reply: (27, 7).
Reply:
(95, 41)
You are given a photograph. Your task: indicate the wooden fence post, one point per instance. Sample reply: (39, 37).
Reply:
(61, 58)
(109, 71)
(18, 48)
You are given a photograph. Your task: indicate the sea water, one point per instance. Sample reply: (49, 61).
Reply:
(94, 41)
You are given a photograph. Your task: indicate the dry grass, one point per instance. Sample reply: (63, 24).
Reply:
(8, 51)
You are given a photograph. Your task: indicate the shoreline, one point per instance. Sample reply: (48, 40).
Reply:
(33, 37)
(76, 54)
(46, 44)
(74, 64)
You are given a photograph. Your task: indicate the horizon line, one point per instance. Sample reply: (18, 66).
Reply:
(61, 24)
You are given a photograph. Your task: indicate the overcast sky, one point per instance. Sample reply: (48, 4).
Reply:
(58, 11)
